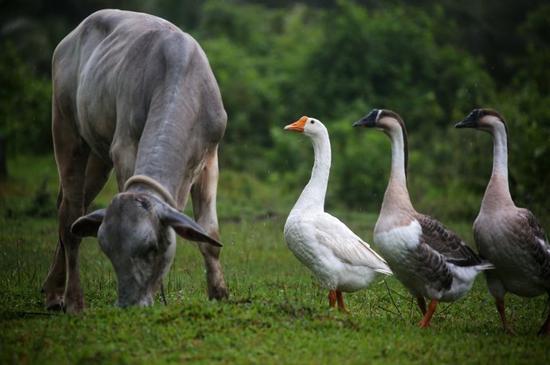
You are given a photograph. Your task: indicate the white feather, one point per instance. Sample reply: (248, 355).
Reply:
(339, 258)
(399, 240)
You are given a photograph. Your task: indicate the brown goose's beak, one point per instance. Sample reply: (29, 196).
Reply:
(297, 126)
(471, 121)
(369, 120)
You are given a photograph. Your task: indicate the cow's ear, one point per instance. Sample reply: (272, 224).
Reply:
(88, 225)
(186, 227)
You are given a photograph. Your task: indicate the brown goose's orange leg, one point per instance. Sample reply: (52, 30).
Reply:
(425, 322)
(502, 312)
(341, 305)
(332, 298)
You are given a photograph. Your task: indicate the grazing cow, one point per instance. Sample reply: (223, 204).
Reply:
(134, 92)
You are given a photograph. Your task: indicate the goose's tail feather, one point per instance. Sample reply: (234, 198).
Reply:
(485, 266)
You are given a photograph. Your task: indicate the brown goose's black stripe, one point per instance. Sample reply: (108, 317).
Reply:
(393, 114)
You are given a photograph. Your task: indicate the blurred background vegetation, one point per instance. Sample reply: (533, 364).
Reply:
(431, 61)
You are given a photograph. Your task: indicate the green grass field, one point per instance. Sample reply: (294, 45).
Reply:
(276, 312)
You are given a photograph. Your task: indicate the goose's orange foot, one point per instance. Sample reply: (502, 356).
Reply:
(425, 322)
(341, 305)
(332, 298)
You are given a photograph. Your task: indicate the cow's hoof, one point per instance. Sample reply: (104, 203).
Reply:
(54, 301)
(73, 306)
(55, 307)
(218, 293)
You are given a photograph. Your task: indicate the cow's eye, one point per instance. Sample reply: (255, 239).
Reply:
(143, 203)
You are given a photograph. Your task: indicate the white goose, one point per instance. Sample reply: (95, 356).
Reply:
(340, 260)
(510, 237)
(429, 259)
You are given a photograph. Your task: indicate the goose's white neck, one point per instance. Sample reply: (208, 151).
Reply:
(313, 195)
(498, 191)
(397, 194)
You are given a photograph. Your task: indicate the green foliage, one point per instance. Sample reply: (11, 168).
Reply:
(430, 61)
(389, 59)
(255, 54)
(535, 32)
(525, 107)
(361, 166)
(24, 105)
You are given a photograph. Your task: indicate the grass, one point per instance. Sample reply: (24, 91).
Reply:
(276, 312)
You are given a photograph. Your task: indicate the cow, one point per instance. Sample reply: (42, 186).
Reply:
(134, 93)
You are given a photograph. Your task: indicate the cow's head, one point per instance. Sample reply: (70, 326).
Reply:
(136, 232)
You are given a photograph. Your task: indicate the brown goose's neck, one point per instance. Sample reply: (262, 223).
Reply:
(497, 193)
(397, 194)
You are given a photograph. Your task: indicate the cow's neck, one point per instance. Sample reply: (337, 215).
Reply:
(164, 156)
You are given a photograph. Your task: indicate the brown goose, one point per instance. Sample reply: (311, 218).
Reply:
(508, 236)
(429, 259)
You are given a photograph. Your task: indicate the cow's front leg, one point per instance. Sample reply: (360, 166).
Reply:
(203, 194)
(69, 211)
(53, 287)
(72, 156)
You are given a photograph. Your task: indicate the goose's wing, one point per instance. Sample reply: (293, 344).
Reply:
(431, 267)
(532, 235)
(346, 245)
(446, 242)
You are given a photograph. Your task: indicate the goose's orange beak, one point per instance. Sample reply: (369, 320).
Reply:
(297, 126)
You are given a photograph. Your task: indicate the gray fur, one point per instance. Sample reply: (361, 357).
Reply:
(133, 92)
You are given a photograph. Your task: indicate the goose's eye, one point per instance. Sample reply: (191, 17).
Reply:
(312, 122)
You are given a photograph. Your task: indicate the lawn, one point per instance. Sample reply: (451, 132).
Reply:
(276, 312)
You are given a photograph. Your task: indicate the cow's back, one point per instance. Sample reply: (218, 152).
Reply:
(119, 70)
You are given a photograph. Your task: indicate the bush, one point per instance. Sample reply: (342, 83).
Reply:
(25, 110)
